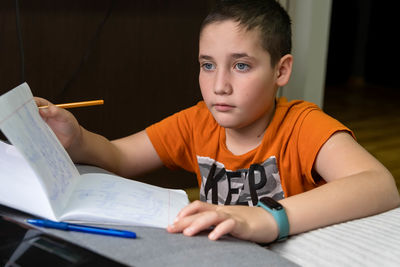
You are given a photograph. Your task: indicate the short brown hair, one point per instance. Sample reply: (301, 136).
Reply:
(267, 15)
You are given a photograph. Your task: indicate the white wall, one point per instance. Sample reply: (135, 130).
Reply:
(310, 27)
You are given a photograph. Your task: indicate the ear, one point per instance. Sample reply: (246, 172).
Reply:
(283, 70)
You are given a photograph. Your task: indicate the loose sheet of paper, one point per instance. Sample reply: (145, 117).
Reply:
(21, 123)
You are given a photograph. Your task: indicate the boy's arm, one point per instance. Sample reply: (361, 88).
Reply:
(127, 156)
(358, 186)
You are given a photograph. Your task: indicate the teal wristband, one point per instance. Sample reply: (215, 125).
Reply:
(279, 214)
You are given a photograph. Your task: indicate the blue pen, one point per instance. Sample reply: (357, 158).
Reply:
(81, 228)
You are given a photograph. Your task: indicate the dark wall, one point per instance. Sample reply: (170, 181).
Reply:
(143, 63)
(363, 42)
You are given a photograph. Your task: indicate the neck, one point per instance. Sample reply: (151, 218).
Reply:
(242, 140)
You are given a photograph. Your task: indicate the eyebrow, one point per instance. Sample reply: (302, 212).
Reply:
(240, 55)
(233, 55)
(205, 57)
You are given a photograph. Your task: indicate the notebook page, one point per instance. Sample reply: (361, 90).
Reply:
(19, 187)
(111, 199)
(25, 129)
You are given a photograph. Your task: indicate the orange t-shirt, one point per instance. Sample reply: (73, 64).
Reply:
(279, 167)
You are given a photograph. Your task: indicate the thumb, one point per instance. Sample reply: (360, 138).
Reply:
(49, 111)
(44, 112)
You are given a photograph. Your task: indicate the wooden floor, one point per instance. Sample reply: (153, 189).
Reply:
(373, 113)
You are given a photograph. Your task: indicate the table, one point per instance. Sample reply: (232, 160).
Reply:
(157, 247)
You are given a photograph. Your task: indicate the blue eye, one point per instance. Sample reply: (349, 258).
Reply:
(208, 66)
(242, 66)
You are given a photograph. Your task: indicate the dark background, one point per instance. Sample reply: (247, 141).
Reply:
(143, 61)
(363, 43)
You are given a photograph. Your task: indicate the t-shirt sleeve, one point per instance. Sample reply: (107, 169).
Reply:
(315, 129)
(172, 138)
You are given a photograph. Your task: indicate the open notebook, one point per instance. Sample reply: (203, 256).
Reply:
(37, 176)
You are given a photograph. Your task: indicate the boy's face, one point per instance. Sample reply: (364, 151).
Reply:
(236, 78)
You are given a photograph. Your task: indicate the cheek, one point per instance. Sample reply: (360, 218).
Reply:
(252, 88)
(256, 94)
(204, 83)
(263, 84)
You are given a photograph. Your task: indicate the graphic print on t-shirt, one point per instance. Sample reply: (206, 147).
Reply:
(239, 187)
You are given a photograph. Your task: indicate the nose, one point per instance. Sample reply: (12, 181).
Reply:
(222, 85)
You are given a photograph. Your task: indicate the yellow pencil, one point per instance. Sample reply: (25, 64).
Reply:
(79, 104)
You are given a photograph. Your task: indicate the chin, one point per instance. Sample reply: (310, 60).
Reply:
(227, 120)
(227, 124)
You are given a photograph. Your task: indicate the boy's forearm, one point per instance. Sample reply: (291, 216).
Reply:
(344, 199)
(352, 197)
(94, 149)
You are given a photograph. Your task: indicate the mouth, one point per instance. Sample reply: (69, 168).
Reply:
(222, 107)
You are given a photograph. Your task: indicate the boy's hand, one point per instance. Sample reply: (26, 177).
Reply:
(61, 121)
(250, 223)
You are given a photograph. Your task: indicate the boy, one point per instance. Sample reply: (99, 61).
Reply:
(243, 143)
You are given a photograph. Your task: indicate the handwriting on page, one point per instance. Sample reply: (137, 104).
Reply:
(111, 202)
(23, 126)
(115, 199)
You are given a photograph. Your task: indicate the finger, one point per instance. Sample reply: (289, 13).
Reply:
(46, 108)
(193, 208)
(194, 224)
(179, 225)
(203, 222)
(225, 227)
(49, 111)
(183, 223)
(42, 102)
